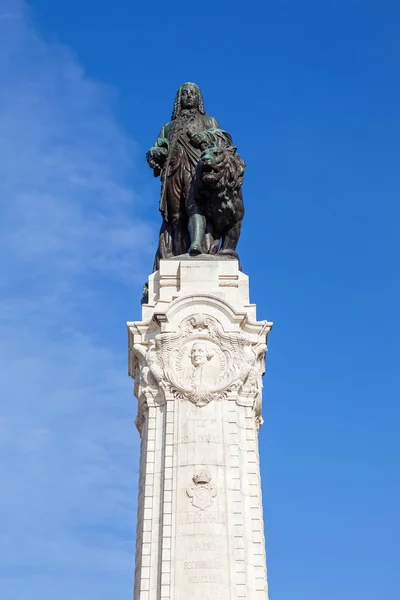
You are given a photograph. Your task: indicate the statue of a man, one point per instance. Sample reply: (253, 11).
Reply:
(174, 157)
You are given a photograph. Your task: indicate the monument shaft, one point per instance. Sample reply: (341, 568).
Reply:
(197, 358)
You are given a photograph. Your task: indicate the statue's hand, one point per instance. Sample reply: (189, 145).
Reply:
(156, 157)
(162, 142)
(158, 154)
(197, 139)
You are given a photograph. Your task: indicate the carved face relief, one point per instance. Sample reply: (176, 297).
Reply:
(200, 365)
(198, 354)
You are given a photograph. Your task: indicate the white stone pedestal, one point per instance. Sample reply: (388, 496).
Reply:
(197, 358)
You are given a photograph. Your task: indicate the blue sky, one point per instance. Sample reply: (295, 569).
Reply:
(311, 94)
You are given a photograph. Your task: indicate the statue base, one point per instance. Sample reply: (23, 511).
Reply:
(197, 358)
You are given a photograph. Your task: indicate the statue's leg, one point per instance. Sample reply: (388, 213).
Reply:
(197, 221)
(197, 228)
(230, 240)
(210, 243)
(180, 234)
(185, 179)
(178, 218)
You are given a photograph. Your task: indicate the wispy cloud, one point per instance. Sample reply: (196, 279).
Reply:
(69, 244)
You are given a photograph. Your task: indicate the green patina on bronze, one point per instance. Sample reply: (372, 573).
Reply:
(201, 176)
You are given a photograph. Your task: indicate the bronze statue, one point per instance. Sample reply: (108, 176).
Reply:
(215, 204)
(201, 176)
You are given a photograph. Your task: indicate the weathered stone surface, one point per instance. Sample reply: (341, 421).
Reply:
(197, 358)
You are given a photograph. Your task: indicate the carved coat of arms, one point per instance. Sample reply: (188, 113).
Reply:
(203, 491)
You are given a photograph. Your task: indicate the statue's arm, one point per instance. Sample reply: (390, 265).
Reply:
(158, 153)
(211, 136)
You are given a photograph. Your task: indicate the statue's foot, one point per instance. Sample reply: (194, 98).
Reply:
(195, 250)
(230, 253)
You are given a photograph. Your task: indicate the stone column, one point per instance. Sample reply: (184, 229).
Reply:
(197, 358)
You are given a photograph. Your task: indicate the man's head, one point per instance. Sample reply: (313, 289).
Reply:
(188, 97)
(199, 354)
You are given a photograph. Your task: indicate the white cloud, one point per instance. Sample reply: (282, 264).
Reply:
(70, 244)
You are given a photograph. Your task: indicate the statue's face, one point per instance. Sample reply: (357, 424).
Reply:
(198, 355)
(189, 96)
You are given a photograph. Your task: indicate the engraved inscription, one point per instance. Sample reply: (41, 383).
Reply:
(203, 564)
(201, 517)
(208, 438)
(205, 547)
(204, 579)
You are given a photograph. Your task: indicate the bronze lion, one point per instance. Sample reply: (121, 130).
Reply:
(215, 203)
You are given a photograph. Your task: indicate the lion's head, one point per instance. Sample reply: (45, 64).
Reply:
(221, 168)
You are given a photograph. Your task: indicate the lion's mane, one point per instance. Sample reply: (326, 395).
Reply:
(221, 173)
(217, 193)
